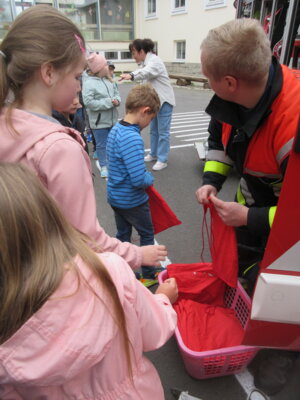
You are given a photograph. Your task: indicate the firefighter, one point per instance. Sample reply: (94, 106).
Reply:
(254, 116)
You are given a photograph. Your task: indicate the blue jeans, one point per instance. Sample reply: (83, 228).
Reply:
(160, 133)
(140, 218)
(101, 140)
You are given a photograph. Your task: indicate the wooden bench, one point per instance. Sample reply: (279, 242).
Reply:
(185, 80)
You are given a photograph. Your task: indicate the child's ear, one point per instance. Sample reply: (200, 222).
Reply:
(146, 110)
(47, 73)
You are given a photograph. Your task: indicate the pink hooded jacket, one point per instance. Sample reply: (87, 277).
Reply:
(72, 348)
(57, 155)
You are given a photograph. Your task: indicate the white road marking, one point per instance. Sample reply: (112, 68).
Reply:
(190, 130)
(193, 134)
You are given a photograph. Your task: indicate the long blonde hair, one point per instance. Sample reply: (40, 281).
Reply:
(41, 34)
(36, 243)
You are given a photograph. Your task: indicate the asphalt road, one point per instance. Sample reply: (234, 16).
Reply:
(178, 183)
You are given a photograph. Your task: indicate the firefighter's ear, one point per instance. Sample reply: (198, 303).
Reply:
(231, 83)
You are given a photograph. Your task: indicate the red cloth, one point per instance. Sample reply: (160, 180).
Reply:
(162, 215)
(203, 320)
(204, 327)
(223, 248)
(197, 282)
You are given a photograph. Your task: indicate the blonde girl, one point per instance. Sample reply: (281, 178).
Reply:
(42, 58)
(74, 324)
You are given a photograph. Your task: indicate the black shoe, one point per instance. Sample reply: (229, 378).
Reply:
(274, 370)
(137, 275)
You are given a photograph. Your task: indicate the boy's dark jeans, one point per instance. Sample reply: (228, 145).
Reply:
(140, 218)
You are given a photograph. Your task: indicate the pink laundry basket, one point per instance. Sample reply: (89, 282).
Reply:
(224, 361)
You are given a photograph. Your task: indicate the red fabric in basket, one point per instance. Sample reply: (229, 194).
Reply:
(223, 248)
(162, 215)
(197, 282)
(204, 327)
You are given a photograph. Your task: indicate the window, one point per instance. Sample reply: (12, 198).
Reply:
(179, 3)
(179, 6)
(115, 55)
(107, 20)
(180, 51)
(150, 8)
(126, 55)
(116, 17)
(84, 15)
(111, 55)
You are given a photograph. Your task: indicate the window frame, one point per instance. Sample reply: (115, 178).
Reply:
(119, 58)
(179, 10)
(180, 59)
(152, 14)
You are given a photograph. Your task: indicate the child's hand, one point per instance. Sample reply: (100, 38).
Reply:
(153, 254)
(169, 288)
(115, 102)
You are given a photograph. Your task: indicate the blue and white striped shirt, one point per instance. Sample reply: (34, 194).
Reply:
(128, 176)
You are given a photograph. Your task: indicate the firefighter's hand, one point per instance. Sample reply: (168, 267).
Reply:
(204, 192)
(231, 213)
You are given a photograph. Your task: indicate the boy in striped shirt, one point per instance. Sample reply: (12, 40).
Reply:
(128, 177)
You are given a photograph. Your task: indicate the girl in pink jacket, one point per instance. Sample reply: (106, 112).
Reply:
(74, 324)
(40, 72)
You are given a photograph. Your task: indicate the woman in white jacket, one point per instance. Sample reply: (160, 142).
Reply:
(154, 72)
(101, 98)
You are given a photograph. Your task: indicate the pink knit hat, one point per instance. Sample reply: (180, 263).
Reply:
(96, 62)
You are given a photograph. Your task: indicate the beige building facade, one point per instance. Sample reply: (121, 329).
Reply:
(176, 26)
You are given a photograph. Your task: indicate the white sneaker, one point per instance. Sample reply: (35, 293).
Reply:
(149, 158)
(104, 172)
(159, 165)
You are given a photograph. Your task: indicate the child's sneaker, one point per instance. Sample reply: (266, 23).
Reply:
(104, 172)
(149, 282)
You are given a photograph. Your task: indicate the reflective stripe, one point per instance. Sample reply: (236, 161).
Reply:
(239, 196)
(245, 192)
(272, 212)
(218, 167)
(219, 155)
(284, 151)
(261, 174)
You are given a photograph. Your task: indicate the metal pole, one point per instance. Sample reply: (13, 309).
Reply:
(272, 21)
(288, 32)
(252, 9)
(13, 10)
(98, 18)
(262, 12)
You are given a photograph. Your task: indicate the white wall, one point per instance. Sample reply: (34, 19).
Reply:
(191, 26)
